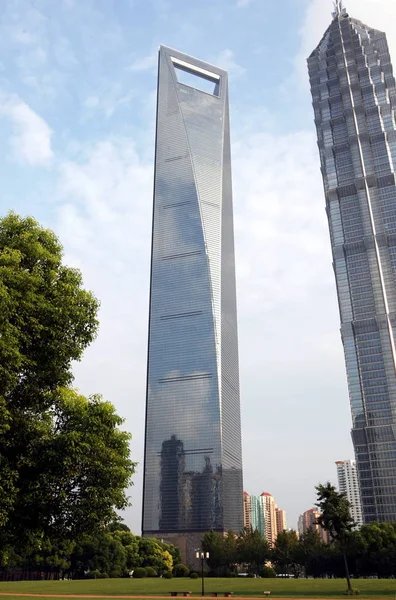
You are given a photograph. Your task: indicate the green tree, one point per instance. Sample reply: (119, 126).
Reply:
(267, 572)
(310, 552)
(100, 552)
(285, 553)
(181, 570)
(46, 318)
(335, 518)
(118, 525)
(253, 550)
(152, 554)
(173, 551)
(46, 322)
(231, 550)
(64, 462)
(222, 551)
(213, 543)
(107, 551)
(131, 544)
(377, 552)
(78, 469)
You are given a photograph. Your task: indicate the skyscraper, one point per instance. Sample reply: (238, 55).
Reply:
(281, 523)
(193, 457)
(271, 529)
(257, 514)
(354, 100)
(308, 520)
(247, 511)
(348, 484)
(263, 515)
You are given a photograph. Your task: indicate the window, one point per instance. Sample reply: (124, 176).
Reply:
(197, 78)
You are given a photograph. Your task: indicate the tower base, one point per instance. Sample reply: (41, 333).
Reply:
(187, 543)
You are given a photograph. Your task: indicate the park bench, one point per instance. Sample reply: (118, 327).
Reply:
(185, 594)
(267, 594)
(226, 594)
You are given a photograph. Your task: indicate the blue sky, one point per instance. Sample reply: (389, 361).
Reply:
(77, 114)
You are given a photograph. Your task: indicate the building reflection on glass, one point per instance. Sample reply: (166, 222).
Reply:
(189, 499)
(171, 486)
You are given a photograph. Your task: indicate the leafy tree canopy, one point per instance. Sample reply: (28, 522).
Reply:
(335, 512)
(253, 549)
(286, 552)
(46, 318)
(64, 461)
(336, 518)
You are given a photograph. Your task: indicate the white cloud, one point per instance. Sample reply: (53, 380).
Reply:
(33, 59)
(145, 63)
(104, 221)
(278, 218)
(109, 97)
(225, 60)
(106, 184)
(20, 36)
(31, 138)
(91, 102)
(63, 52)
(112, 103)
(241, 3)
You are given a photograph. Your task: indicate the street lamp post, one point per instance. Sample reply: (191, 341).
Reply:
(202, 555)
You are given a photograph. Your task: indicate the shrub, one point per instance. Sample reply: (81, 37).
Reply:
(251, 575)
(95, 574)
(103, 576)
(114, 574)
(151, 572)
(181, 571)
(267, 572)
(232, 574)
(167, 575)
(139, 573)
(194, 576)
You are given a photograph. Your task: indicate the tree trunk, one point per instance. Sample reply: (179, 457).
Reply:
(348, 578)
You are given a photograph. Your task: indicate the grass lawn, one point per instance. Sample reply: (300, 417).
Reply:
(291, 588)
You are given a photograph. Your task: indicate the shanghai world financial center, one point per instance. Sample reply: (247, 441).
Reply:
(193, 456)
(354, 100)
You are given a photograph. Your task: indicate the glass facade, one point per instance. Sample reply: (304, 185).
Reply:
(193, 456)
(257, 508)
(354, 101)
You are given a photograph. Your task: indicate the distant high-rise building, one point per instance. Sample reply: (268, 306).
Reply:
(348, 484)
(193, 458)
(247, 517)
(271, 530)
(308, 520)
(354, 101)
(300, 525)
(262, 514)
(257, 514)
(281, 524)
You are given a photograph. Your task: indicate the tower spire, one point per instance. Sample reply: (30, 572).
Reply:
(338, 8)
